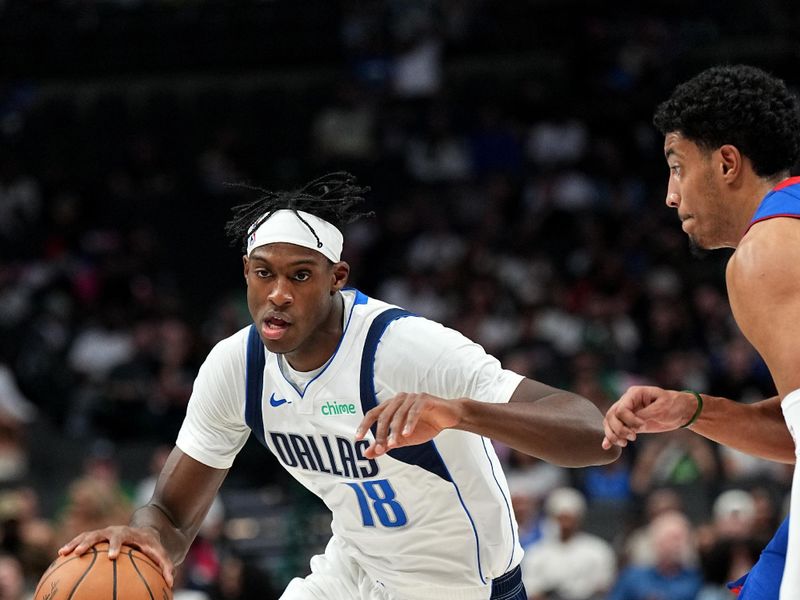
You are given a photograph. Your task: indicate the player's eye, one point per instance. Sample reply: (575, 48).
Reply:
(302, 276)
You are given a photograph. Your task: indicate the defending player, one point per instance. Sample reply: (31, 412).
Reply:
(732, 134)
(374, 410)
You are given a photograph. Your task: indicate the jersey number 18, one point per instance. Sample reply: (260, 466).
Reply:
(380, 494)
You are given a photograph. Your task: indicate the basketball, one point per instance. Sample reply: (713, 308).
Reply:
(92, 576)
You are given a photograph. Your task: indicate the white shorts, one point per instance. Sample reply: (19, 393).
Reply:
(335, 576)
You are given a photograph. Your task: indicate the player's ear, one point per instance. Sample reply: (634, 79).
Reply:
(246, 266)
(339, 276)
(730, 162)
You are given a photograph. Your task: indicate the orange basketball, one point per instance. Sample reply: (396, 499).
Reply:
(132, 576)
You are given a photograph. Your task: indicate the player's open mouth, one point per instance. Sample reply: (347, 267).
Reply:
(274, 328)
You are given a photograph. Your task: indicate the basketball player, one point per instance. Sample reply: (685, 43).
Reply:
(732, 134)
(384, 415)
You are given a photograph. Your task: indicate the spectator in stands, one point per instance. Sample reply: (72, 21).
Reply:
(671, 577)
(570, 564)
(637, 546)
(12, 580)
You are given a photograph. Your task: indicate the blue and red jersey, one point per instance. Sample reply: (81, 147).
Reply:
(782, 201)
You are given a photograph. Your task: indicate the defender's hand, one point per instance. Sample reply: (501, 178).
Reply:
(646, 409)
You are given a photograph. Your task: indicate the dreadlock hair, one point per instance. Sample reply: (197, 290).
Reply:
(331, 197)
(739, 105)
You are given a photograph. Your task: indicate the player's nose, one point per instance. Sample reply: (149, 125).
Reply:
(673, 199)
(281, 292)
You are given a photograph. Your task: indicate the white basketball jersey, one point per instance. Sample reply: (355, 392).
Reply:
(430, 521)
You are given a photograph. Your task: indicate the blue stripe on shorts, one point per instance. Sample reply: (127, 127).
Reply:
(509, 586)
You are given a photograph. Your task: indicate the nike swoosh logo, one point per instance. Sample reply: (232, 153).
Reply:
(273, 401)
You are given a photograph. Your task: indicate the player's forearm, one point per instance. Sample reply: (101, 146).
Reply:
(563, 428)
(175, 540)
(757, 429)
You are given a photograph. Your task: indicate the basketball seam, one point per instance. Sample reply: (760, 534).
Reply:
(89, 568)
(143, 557)
(139, 573)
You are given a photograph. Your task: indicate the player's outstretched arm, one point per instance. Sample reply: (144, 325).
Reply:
(757, 429)
(165, 527)
(551, 424)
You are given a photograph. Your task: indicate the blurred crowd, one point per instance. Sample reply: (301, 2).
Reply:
(518, 188)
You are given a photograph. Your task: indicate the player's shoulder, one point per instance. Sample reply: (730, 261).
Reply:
(419, 343)
(418, 330)
(370, 309)
(771, 249)
(764, 271)
(415, 336)
(231, 348)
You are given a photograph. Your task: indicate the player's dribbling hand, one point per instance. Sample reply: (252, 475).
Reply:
(141, 538)
(407, 420)
(646, 409)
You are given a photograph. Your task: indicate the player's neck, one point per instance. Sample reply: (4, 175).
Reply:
(320, 346)
(752, 193)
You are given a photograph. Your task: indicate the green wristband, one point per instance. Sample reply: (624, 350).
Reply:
(699, 408)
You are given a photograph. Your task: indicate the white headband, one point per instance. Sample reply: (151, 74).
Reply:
(284, 226)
